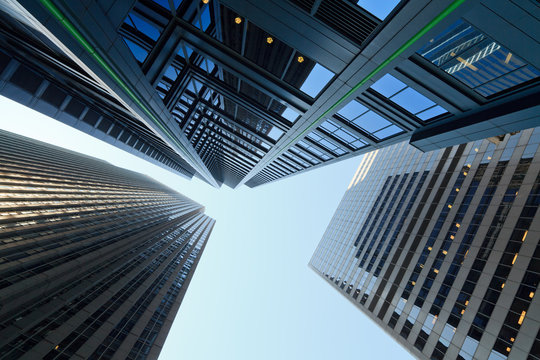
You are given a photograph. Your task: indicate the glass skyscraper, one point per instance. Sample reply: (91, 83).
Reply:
(94, 259)
(248, 92)
(441, 249)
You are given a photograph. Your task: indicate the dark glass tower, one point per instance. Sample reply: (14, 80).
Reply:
(249, 91)
(441, 249)
(94, 259)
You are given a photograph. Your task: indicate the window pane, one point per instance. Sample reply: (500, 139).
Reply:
(316, 80)
(352, 110)
(477, 61)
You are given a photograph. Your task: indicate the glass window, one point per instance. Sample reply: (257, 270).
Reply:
(408, 98)
(143, 26)
(368, 120)
(342, 134)
(290, 115)
(316, 80)
(476, 60)
(137, 51)
(379, 8)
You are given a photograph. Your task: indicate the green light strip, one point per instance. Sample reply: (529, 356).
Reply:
(86, 45)
(398, 52)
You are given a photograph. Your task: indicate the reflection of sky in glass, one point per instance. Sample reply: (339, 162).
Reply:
(408, 98)
(138, 52)
(379, 8)
(143, 26)
(368, 120)
(316, 80)
(290, 115)
(476, 60)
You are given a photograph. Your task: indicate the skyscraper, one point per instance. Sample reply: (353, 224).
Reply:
(94, 259)
(248, 91)
(441, 249)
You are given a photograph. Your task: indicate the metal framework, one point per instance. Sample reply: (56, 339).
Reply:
(248, 92)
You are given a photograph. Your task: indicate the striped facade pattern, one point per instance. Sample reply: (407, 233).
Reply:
(441, 249)
(94, 259)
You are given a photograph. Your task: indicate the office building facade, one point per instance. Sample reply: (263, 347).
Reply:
(441, 249)
(94, 259)
(248, 92)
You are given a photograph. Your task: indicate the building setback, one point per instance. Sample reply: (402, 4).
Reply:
(94, 259)
(441, 249)
(248, 91)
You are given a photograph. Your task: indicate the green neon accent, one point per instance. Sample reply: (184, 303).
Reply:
(398, 52)
(89, 48)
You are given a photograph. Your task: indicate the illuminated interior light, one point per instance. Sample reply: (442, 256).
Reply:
(434, 319)
(445, 252)
(531, 295)
(508, 57)
(421, 266)
(429, 248)
(465, 173)
(56, 347)
(469, 166)
(436, 271)
(466, 302)
(452, 237)
(476, 149)
(458, 225)
(205, 1)
(452, 54)
(269, 39)
(457, 189)
(489, 157)
(508, 349)
(466, 63)
(512, 339)
(300, 59)
(514, 259)
(462, 311)
(520, 321)
(449, 206)
(413, 282)
(238, 20)
(502, 286)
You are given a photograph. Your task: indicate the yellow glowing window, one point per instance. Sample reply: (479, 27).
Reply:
(520, 321)
(269, 40)
(238, 20)
(458, 225)
(462, 311)
(56, 347)
(457, 189)
(508, 349)
(436, 271)
(429, 248)
(508, 57)
(413, 282)
(469, 166)
(452, 237)
(525, 235)
(476, 149)
(300, 59)
(489, 157)
(205, 1)
(502, 286)
(421, 266)
(449, 206)
(465, 173)
(514, 259)
(466, 302)
(531, 295)
(445, 252)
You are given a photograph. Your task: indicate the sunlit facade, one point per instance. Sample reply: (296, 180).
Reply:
(94, 260)
(248, 92)
(441, 249)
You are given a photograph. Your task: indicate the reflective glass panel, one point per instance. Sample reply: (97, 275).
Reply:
(476, 60)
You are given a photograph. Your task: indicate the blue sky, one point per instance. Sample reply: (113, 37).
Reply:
(252, 295)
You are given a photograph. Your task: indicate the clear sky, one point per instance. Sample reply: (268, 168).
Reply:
(253, 295)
